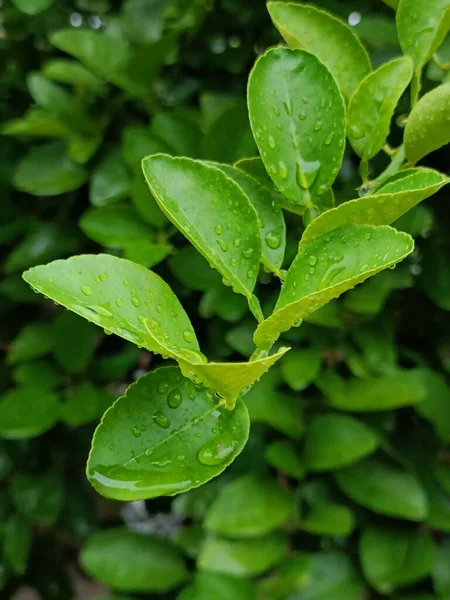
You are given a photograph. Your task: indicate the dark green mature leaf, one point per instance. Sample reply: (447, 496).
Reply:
(38, 496)
(165, 436)
(38, 373)
(73, 341)
(243, 558)
(282, 455)
(428, 125)
(435, 277)
(401, 388)
(193, 271)
(34, 341)
(326, 518)
(301, 367)
(384, 489)
(373, 104)
(218, 586)
(297, 116)
(72, 73)
(390, 202)
(270, 217)
(334, 441)
(47, 171)
(329, 266)
(249, 506)
(441, 573)
(32, 7)
(181, 133)
(422, 27)
(145, 204)
(16, 543)
(110, 181)
(27, 412)
(116, 294)
(115, 226)
(84, 404)
(435, 406)
(214, 214)
(129, 561)
(325, 36)
(392, 557)
(147, 253)
(139, 142)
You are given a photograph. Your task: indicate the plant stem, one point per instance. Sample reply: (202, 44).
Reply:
(395, 165)
(415, 87)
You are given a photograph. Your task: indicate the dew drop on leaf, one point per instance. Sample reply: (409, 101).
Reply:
(174, 399)
(86, 289)
(312, 260)
(137, 431)
(159, 308)
(188, 335)
(135, 301)
(161, 420)
(273, 240)
(215, 453)
(271, 141)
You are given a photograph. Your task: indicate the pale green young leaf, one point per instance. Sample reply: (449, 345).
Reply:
(373, 104)
(329, 266)
(117, 295)
(297, 116)
(164, 436)
(213, 213)
(333, 441)
(330, 39)
(421, 28)
(270, 217)
(233, 514)
(129, 561)
(428, 125)
(27, 412)
(391, 201)
(385, 489)
(243, 558)
(115, 226)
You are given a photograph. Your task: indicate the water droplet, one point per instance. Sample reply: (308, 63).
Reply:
(141, 318)
(126, 282)
(135, 301)
(79, 271)
(282, 170)
(181, 457)
(247, 253)
(103, 276)
(237, 243)
(137, 431)
(272, 142)
(119, 302)
(191, 396)
(367, 236)
(329, 139)
(215, 453)
(148, 452)
(163, 386)
(355, 244)
(222, 245)
(250, 274)
(302, 116)
(188, 335)
(174, 399)
(86, 289)
(233, 262)
(318, 126)
(218, 230)
(161, 420)
(273, 240)
(276, 111)
(159, 308)
(307, 173)
(364, 268)
(288, 106)
(312, 260)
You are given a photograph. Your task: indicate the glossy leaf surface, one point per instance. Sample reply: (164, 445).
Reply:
(164, 436)
(330, 39)
(297, 116)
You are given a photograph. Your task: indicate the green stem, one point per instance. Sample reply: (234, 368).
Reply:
(364, 171)
(415, 87)
(395, 165)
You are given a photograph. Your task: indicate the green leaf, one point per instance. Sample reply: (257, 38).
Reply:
(297, 116)
(34, 340)
(178, 132)
(114, 226)
(326, 268)
(401, 388)
(326, 518)
(110, 181)
(145, 204)
(435, 277)
(392, 3)
(249, 506)
(283, 456)
(301, 367)
(392, 557)
(73, 341)
(373, 104)
(47, 171)
(37, 373)
(270, 217)
(384, 489)
(39, 496)
(441, 574)
(207, 586)
(333, 441)
(442, 474)
(164, 436)
(27, 412)
(36, 122)
(243, 558)
(147, 253)
(214, 214)
(193, 271)
(117, 295)
(32, 7)
(428, 125)
(139, 142)
(16, 544)
(129, 561)
(84, 404)
(384, 207)
(330, 39)
(71, 72)
(435, 406)
(421, 28)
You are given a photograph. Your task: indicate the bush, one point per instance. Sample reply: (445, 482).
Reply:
(303, 452)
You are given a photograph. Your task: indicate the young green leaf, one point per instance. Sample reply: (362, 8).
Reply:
(27, 412)
(164, 436)
(117, 295)
(132, 562)
(421, 28)
(373, 104)
(384, 489)
(297, 116)
(330, 39)
(428, 125)
(115, 226)
(231, 514)
(326, 268)
(243, 558)
(214, 214)
(333, 441)
(270, 217)
(390, 202)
